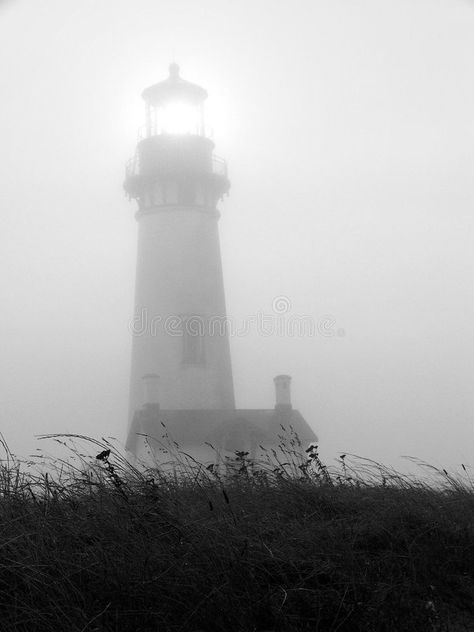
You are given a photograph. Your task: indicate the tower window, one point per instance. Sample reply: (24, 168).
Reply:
(193, 340)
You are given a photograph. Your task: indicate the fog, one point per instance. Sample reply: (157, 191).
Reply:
(349, 135)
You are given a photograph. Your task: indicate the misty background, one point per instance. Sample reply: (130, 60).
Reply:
(348, 130)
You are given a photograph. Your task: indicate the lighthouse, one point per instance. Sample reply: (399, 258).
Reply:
(181, 374)
(180, 331)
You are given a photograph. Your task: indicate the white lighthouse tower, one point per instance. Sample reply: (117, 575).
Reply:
(179, 326)
(181, 375)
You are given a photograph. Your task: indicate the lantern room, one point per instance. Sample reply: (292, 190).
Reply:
(174, 163)
(174, 106)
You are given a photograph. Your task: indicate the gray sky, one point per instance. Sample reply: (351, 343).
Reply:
(348, 130)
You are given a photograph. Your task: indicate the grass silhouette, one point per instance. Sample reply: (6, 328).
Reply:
(95, 543)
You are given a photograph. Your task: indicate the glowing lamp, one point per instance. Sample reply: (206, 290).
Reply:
(178, 118)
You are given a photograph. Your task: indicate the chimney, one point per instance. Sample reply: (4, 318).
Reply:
(282, 392)
(151, 387)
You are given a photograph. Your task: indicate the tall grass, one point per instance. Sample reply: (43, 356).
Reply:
(94, 543)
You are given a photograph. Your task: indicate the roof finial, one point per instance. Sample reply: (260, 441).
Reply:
(174, 70)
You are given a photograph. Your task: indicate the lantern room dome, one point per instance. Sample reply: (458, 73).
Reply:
(174, 88)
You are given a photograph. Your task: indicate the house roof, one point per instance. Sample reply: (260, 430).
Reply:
(196, 427)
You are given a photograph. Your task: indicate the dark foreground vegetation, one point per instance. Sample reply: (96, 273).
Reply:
(98, 545)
